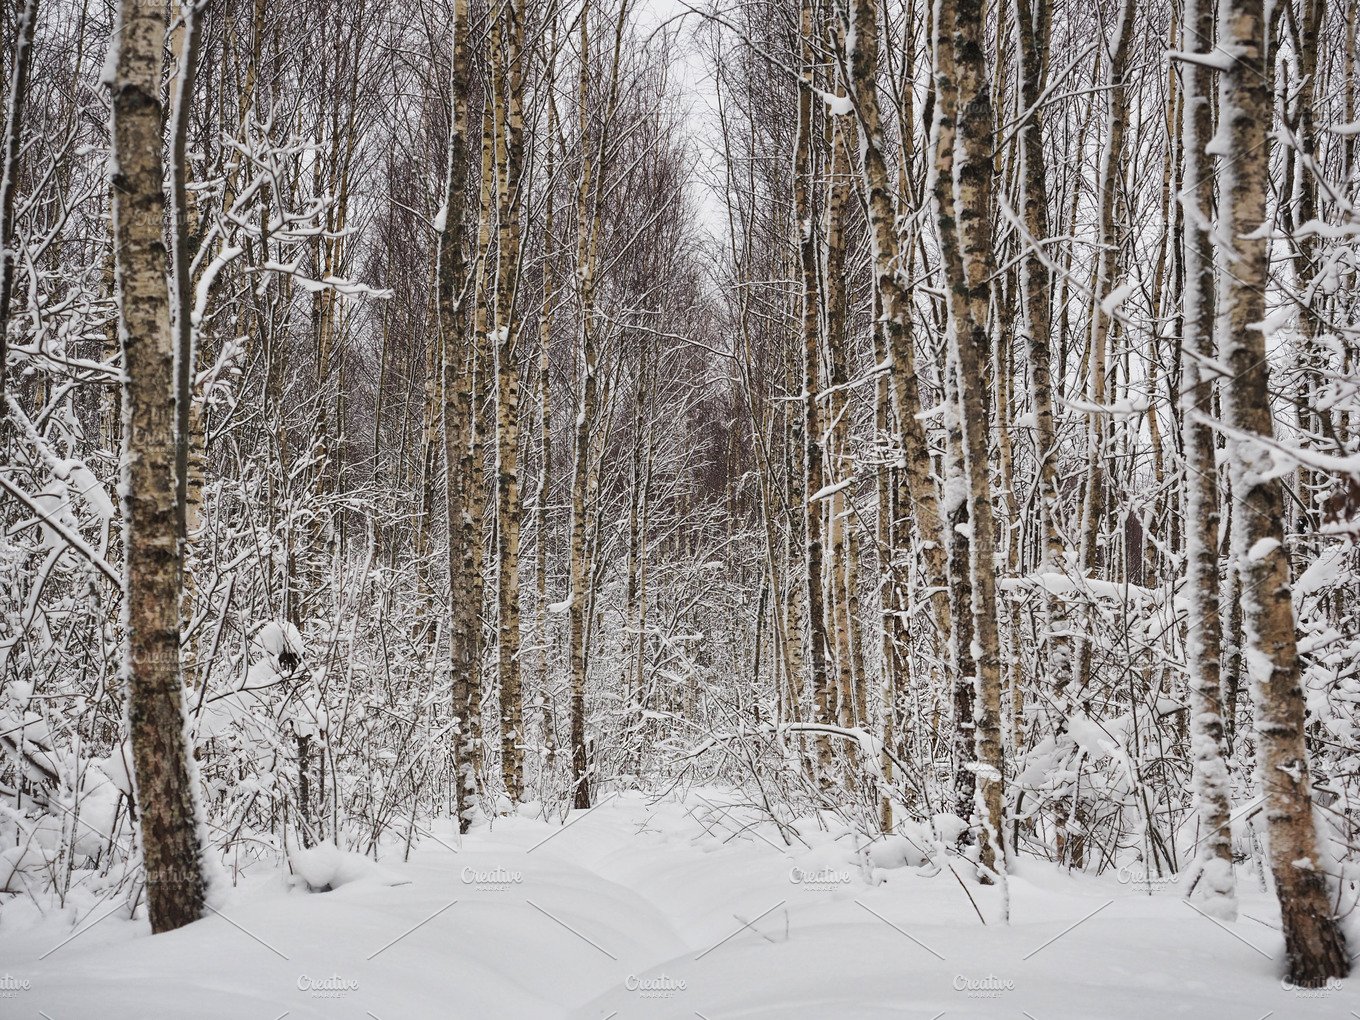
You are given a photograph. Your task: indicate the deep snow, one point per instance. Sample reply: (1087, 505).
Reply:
(663, 909)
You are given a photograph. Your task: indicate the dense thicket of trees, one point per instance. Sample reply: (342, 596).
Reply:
(946, 418)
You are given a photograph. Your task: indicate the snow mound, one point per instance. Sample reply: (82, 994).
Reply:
(325, 867)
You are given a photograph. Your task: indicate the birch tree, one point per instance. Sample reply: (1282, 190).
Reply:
(1215, 885)
(165, 782)
(457, 369)
(16, 98)
(1314, 943)
(507, 51)
(969, 262)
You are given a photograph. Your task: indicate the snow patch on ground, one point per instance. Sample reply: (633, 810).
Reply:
(663, 909)
(325, 867)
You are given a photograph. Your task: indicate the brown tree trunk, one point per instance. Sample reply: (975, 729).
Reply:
(507, 48)
(972, 234)
(9, 184)
(1035, 283)
(808, 439)
(1314, 942)
(165, 783)
(891, 268)
(1094, 508)
(457, 368)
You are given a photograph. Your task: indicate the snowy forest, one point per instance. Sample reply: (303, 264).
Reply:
(870, 487)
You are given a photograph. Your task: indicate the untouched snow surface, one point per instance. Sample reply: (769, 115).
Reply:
(666, 909)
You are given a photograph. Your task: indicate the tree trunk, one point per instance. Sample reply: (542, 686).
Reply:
(546, 320)
(165, 781)
(510, 158)
(806, 238)
(457, 368)
(1094, 502)
(1314, 941)
(1215, 885)
(1035, 284)
(9, 184)
(973, 346)
(891, 268)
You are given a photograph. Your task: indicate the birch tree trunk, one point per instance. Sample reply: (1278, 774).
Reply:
(182, 93)
(546, 321)
(165, 781)
(630, 679)
(482, 370)
(457, 388)
(1111, 162)
(1036, 286)
(1215, 885)
(810, 444)
(587, 237)
(1303, 210)
(1314, 943)
(890, 271)
(9, 185)
(510, 158)
(844, 565)
(973, 212)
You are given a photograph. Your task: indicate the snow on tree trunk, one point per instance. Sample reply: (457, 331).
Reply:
(1314, 942)
(891, 267)
(1215, 886)
(805, 237)
(1094, 502)
(1032, 51)
(971, 265)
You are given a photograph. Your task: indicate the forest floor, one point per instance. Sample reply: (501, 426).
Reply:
(674, 908)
